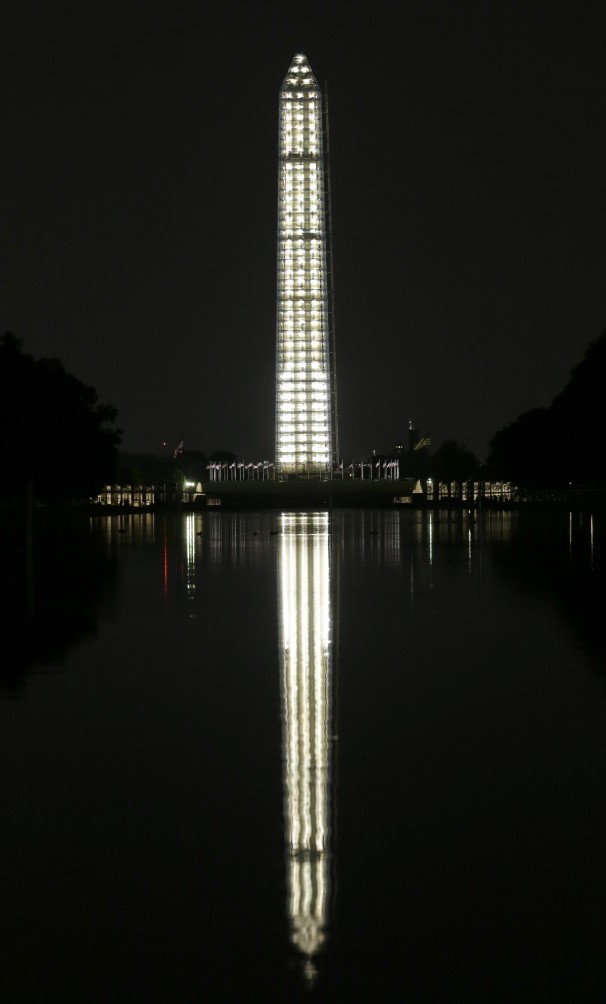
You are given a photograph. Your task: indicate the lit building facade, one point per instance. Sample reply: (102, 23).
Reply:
(306, 426)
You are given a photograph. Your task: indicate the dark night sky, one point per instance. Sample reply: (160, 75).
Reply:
(138, 207)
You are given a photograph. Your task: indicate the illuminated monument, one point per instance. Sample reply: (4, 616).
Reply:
(306, 425)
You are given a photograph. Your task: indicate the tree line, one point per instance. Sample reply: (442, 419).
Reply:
(562, 445)
(54, 432)
(56, 435)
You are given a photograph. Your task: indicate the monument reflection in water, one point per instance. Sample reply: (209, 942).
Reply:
(306, 689)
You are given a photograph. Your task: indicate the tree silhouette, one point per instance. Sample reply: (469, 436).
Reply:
(563, 444)
(521, 452)
(53, 430)
(453, 462)
(222, 457)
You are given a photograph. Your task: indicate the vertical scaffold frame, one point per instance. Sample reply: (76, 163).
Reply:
(306, 443)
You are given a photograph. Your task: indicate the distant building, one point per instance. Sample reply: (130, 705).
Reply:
(413, 435)
(306, 420)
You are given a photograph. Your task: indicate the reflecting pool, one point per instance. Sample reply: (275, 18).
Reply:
(330, 757)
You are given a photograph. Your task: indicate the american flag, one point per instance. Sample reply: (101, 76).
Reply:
(426, 441)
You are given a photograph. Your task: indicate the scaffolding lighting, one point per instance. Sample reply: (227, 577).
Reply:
(305, 421)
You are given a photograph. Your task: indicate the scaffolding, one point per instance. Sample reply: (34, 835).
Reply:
(305, 384)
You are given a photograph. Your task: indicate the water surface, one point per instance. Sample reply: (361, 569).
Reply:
(347, 757)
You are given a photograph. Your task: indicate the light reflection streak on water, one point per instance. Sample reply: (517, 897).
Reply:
(305, 647)
(190, 552)
(165, 566)
(591, 538)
